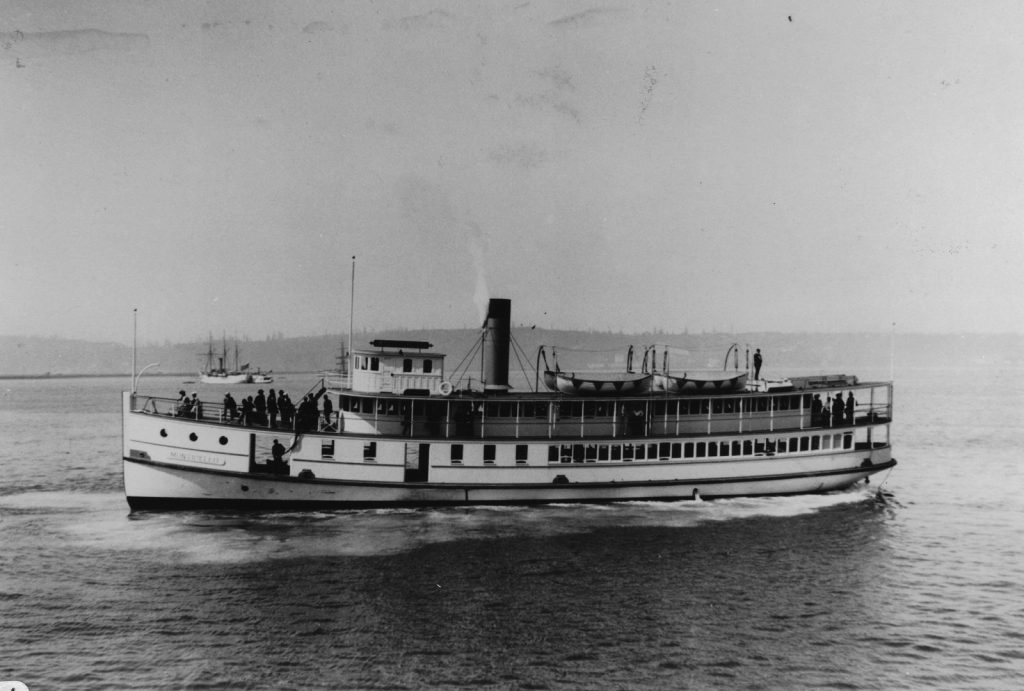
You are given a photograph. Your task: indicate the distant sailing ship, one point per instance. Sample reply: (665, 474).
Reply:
(221, 375)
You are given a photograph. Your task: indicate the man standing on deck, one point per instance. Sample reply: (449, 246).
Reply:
(757, 364)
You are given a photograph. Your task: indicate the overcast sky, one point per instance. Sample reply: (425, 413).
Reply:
(785, 166)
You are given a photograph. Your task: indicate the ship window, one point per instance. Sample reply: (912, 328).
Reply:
(616, 452)
(759, 448)
(664, 449)
(723, 449)
(736, 449)
(552, 454)
(748, 448)
(702, 449)
(591, 453)
(794, 444)
(369, 451)
(805, 443)
(566, 453)
(193, 437)
(223, 441)
(677, 450)
(522, 453)
(163, 433)
(407, 364)
(327, 449)
(577, 453)
(847, 441)
(688, 450)
(456, 453)
(641, 452)
(375, 364)
(381, 407)
(815, 443)
(762, 405)
(428, 366)
(730, 405)
(602, 452)
(357, 362)
(712, 449)
(782, 446)
(826, 441)
(627, 452)
(716, 407)
(489, 454)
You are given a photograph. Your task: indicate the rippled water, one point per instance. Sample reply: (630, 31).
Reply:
(917, 588)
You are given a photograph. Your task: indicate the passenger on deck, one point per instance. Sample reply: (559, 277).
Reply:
(260, 408)
(838, 410)
(284, 404)
(247, 410)
(230, 407)
(328, 412)
(758, 360)
(272, 408)
(197, 406)
(816, 408)
(277, 451)
(850, 408)
(183, 405)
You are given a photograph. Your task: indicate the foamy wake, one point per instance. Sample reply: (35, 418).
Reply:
(102, 522)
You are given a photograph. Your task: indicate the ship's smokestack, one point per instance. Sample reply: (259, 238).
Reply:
(497, 333)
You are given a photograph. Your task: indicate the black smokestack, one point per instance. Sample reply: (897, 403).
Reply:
(497, 332)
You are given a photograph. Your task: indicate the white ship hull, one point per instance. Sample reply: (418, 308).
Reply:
(161, 487)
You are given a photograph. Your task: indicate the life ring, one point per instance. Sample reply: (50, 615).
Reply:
(446, 388)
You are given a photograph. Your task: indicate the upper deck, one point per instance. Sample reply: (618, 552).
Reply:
(475, 415)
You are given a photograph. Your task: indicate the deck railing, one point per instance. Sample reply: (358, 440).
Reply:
(564, 417)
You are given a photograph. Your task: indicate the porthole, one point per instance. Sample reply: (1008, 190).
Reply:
(193, 436)
(223, 441)
(163, 433)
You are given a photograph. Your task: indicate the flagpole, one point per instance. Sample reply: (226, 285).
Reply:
(135, 331)
(351, 318)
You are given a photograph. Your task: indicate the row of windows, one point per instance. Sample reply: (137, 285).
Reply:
(372, 363)
(665, 451)
(582, 409)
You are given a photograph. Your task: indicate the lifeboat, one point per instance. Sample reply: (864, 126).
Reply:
(701, 382)
(597, 383)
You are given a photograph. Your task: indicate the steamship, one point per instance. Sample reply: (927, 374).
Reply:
(393, 431)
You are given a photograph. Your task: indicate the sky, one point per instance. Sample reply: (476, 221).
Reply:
(684, 166)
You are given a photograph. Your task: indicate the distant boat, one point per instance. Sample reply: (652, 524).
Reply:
(221, 375)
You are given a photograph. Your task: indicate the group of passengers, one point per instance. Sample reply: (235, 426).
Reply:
(273, 409)
(834, 411)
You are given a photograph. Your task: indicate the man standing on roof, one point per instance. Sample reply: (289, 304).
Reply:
(757, 364)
